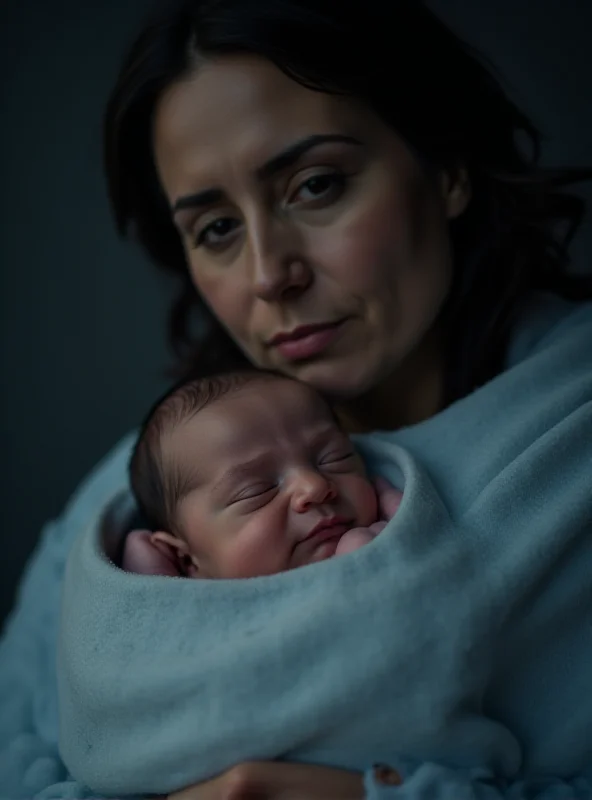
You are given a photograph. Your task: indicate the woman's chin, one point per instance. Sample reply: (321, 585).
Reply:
(343, 379)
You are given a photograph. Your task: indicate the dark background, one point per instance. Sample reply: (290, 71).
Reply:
(82, 314)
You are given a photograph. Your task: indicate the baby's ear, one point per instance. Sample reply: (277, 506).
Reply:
(175, 549)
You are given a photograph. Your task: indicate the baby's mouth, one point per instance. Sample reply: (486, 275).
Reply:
(327, 527)
(322, 539)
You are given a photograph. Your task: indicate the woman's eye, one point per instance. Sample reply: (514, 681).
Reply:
(325, 186)
(217, 233)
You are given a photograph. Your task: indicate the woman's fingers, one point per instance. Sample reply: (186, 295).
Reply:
(271, 780)
(282, 781)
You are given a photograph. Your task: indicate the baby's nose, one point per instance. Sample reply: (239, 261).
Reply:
(310, 489)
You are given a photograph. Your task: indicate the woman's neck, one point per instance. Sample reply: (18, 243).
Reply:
(412, 394)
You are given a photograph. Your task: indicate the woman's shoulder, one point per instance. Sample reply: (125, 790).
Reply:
(548, 319)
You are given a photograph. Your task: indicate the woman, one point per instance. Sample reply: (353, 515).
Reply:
(346, 195)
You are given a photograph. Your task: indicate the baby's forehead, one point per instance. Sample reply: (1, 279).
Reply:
(265, 411)
(251, 427)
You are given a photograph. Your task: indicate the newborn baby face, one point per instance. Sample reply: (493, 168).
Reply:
(271, 481)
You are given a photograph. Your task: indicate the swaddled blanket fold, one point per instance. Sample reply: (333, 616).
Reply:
(385, 652)
(172, 680)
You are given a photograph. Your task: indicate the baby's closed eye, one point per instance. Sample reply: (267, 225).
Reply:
(254, 492)
(336, 455)
(340, 460)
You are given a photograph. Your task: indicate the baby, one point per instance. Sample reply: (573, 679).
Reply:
(247, 474)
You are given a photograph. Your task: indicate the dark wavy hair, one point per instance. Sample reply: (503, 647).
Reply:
(423, 81)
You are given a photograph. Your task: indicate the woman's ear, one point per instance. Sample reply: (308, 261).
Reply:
(455, 186)
(176, 550)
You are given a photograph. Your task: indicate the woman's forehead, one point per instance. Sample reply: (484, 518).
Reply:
(240, 111)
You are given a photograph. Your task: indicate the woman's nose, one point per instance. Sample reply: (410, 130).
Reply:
(311, 489)
(279, 268)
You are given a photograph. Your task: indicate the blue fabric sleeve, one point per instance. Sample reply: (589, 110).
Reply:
(29, 759)
(30, 764)
(430, 781)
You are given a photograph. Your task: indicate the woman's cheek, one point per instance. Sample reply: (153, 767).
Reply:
(227, 298)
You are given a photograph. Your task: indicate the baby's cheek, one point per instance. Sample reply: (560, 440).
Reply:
(257, 549)
(363, 494)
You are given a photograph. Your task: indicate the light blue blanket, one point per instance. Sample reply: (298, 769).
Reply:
(471, 646)
(170, 681)
(30, 765)
(462, 635)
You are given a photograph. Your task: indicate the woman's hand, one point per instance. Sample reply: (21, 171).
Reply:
(273, 780)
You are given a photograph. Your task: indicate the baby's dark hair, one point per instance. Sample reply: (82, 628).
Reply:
(158, 486)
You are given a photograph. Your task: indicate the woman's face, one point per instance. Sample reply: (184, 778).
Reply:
(311, 230)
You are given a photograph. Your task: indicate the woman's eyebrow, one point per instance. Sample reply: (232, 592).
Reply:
(197, 200)
(284, 159)
(294, 152)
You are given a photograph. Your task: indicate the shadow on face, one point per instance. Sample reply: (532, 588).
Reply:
(311, 230)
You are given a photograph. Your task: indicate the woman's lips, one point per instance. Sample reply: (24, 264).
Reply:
(307, 341)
